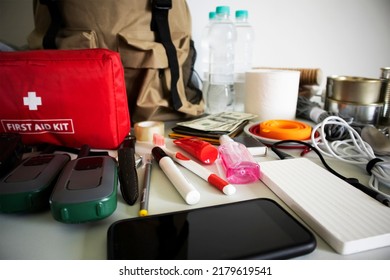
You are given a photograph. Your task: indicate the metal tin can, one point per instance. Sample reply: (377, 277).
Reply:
(357, 97)
(385, 115)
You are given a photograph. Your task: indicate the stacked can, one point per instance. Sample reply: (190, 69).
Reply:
(357, 97)
(385, 116)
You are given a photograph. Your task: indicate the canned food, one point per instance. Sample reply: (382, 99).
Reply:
(363, 91)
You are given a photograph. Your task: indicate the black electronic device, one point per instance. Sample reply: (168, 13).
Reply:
(253, 229)
(11, 152)
(27, 187)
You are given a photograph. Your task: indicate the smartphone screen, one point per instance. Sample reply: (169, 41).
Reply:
(253, 229)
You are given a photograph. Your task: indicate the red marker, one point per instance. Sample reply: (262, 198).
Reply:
(203, 172)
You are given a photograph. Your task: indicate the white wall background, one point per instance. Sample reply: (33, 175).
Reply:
(342, 37)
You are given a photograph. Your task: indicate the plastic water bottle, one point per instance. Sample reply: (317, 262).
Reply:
(243, 56)
(222, 37)
(205, 54)
(205, 48)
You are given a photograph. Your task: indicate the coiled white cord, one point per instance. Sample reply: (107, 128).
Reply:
(353, 150)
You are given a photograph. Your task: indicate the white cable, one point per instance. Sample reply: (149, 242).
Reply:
(353, 150)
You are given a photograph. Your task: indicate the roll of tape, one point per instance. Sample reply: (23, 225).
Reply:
(285, 130)
(144, 131)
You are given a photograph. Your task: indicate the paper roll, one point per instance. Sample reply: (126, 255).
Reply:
(271, 94)
(308, 76)
(144, 131)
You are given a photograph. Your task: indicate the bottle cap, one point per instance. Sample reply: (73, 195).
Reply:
(223, 10)
(212, 15)
(241, 14)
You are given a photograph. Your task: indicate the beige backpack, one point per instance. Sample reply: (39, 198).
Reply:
(153, 38)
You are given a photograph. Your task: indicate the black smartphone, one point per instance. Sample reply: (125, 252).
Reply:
(252, 229)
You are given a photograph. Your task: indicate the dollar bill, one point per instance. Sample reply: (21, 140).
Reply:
(226, 121)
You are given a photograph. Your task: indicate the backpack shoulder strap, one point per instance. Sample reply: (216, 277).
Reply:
(49, 40)
(160, 25)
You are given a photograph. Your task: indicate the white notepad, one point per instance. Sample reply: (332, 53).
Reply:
(347, 219)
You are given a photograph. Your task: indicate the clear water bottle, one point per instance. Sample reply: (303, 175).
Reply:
(222, 37)
(243, 56)
(205, 54)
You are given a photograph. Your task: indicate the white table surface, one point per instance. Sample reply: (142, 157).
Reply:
(39, 236)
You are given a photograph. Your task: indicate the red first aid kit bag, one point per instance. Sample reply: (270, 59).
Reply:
(64, 97)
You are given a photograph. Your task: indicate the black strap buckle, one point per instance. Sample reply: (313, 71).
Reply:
(162, 4)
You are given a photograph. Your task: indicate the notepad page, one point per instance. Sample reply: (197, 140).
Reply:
(347, 219)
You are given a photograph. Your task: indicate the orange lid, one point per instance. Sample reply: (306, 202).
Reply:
(285, 130)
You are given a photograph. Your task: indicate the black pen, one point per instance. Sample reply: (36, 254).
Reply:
(144, 204)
